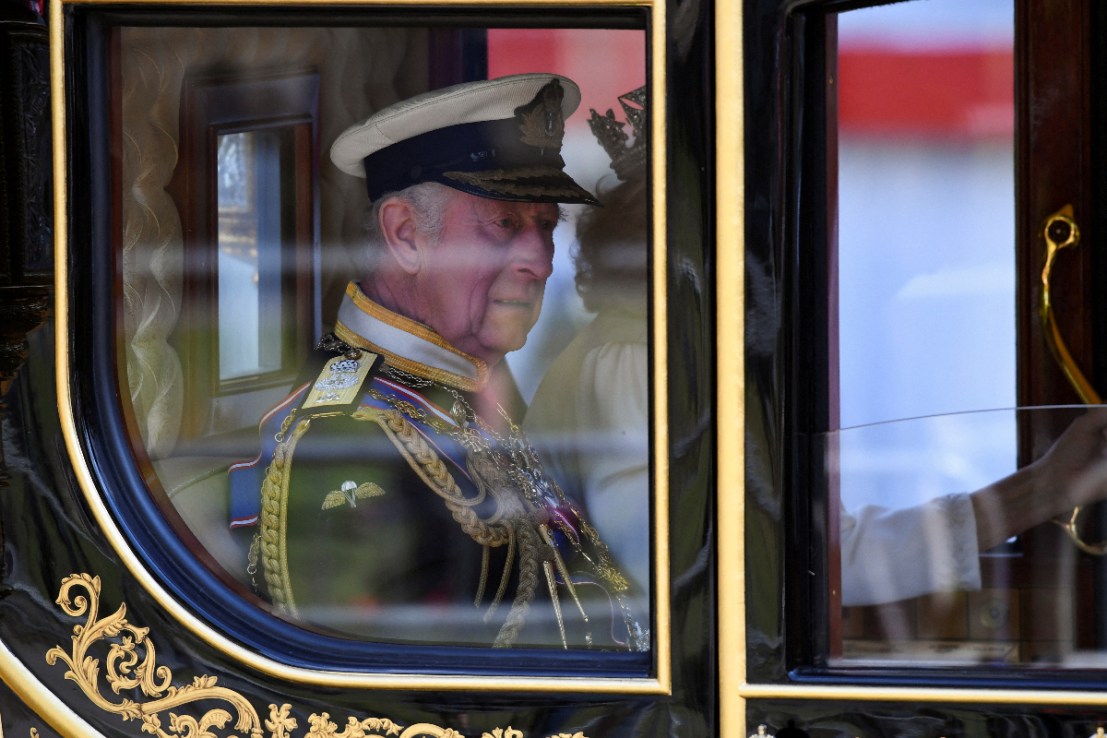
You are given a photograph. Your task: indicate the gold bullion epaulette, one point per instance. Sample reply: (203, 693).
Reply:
(339, 386)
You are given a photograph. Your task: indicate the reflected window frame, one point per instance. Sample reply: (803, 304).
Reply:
(276, 103)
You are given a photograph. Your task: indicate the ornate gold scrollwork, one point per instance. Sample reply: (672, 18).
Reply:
(131, 664)
(125, 671)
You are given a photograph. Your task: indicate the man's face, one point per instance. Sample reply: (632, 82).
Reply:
(482, 281)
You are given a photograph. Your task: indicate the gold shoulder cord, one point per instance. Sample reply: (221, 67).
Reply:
(504, 466)
(424, 460)
(426, 463)
(274, 516)
(510, 522)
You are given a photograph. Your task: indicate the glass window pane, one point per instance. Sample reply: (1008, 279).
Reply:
(925, 336)
(926, 209)
(360, 308)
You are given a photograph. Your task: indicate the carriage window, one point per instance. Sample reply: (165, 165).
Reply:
(962, 532)
(358, 353)
(926, 206)
(925, 336)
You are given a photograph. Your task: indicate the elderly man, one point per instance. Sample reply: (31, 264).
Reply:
(388, 502)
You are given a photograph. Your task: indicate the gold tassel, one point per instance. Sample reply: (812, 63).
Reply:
(563, 570)
(556, 602)
(503, 578)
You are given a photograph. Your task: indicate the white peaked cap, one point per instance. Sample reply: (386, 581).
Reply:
(498, 138)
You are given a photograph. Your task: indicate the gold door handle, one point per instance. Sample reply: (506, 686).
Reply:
(1060, 232)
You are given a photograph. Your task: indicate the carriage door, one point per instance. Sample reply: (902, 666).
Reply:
(924, 335)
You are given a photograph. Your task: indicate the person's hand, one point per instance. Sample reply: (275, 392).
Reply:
(1071, 474)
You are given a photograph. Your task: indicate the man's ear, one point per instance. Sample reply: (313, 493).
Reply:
(398, 227)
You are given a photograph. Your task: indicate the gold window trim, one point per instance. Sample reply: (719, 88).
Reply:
(730, 379)
(658, 683)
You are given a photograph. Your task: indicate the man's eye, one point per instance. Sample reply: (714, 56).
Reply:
(506, 222)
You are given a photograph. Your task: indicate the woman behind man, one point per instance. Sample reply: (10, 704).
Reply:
(590, 415)
(590, 419)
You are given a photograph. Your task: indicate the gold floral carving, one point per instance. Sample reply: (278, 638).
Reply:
(131, 664)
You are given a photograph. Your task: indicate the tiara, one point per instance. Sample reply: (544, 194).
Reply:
(625, 159)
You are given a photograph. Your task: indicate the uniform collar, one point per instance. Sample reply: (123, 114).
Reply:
(406, 344)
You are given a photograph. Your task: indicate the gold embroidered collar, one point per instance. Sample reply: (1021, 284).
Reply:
(406, 344)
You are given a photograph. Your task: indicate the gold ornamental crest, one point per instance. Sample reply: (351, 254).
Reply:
(541, 123)
(165, 708)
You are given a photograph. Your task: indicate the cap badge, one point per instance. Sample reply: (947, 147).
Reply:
(541, 123)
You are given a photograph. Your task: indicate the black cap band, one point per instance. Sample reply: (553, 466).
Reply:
(468, 147)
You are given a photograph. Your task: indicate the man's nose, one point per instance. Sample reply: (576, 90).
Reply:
(534, 249)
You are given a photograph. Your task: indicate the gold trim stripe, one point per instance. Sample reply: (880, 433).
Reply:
(39, 698)
(730, 370)
(488, 4)
(659, 162)
(929, 695)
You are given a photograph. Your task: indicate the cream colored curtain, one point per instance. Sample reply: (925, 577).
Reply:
(361, 70)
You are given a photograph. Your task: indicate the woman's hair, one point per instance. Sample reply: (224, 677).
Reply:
(613, 253)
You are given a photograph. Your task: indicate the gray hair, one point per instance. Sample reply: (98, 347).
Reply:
(427, 199)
